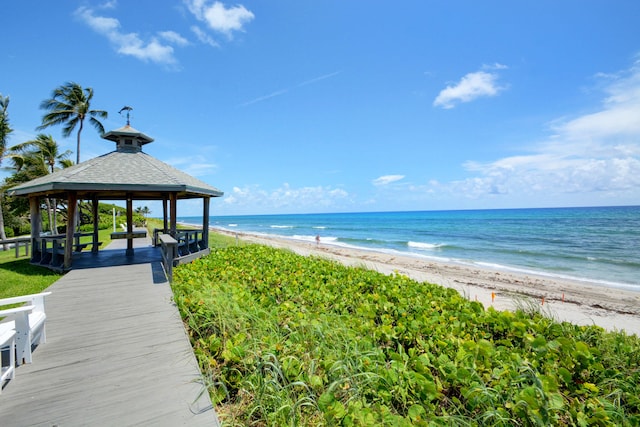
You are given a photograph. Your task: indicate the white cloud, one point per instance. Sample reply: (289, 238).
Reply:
(220, 18)
(196, 165)
(286, 199)
(111, 4)
(495, 66)
(204, 37)
(387, 179)
(471, 87)
(157, 49)
(595, 156)
(174, 38)
(154, 51)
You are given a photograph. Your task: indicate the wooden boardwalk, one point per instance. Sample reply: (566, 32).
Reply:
(116, 353)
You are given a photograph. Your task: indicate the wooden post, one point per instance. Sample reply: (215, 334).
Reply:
(72, 202)
(76, 234)
(205, 221)
(36, 227)
(173, 201)
(129, 225)
(165, 215)
(94, 201)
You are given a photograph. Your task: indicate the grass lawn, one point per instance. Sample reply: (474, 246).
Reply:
(19, 277)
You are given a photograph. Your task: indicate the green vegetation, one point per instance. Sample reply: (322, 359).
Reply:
(290, 340)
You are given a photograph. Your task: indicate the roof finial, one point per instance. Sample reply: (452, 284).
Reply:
(128, 110)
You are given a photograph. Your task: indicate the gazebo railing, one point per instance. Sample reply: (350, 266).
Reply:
(48, 250)
(190, 241)
(184, 247)
(169, 248)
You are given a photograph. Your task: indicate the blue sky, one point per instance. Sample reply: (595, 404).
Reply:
(296, 106)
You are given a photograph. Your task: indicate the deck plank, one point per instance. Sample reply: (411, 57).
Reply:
(116, 354)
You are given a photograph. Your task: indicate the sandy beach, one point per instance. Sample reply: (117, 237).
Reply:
(581, 303)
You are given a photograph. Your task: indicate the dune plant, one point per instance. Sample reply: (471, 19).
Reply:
(291, 340)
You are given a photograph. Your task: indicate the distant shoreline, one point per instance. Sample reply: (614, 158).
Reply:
(520, 271)
(593, 245)
(579, 302)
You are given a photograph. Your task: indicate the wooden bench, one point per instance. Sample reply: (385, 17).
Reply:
(124, 235)
(28, 321)
(80, 246)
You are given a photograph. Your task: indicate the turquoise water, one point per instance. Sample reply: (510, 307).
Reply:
(600, 244)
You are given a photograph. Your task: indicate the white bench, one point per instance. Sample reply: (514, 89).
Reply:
(28, 321)
(7, 345)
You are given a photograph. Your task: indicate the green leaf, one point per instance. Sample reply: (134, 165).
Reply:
(326, 400)
(565, 375)
(416, 413)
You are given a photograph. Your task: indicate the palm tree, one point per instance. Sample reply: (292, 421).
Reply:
(70, 105)
(46, 148)
(5, 130)
(39, 157)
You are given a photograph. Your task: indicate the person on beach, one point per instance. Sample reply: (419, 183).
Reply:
(317, 239)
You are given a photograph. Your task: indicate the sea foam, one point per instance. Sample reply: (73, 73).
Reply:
(306, 238)
(423, 246)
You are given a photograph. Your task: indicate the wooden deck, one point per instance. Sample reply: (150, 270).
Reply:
(116, 353)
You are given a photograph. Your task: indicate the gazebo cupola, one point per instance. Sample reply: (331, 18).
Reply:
(128, 139)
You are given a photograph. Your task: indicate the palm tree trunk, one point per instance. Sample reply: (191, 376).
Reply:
(77, 163)
(55, 215)
(78, 142)
(48, 203)
(3, 236)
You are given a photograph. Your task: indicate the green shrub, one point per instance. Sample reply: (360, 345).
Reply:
(290, 340)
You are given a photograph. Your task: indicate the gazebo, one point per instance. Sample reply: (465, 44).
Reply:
(124, 174)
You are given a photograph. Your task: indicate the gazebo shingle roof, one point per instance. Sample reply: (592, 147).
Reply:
(113, 175)
(124, 174)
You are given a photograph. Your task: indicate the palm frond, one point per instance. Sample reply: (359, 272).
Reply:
(97, 125)
(70, 126)
(68, 106)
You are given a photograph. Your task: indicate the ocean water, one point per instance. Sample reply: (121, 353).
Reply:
(598, 244)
